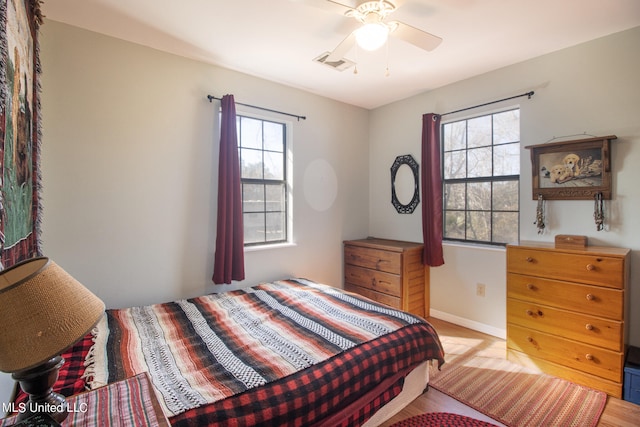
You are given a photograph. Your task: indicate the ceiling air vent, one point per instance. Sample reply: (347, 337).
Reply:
(339, 65)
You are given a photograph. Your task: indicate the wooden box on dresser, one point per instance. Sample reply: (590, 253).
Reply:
(566, 312)
(388, 271)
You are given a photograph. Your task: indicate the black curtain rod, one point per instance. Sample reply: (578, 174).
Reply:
(211, 98)
(528, 94)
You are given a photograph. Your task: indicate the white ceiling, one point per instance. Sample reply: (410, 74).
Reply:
(278, 39)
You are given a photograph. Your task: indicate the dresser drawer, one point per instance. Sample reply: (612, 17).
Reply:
(588, 268)
(388, 271)
(594, 360)
(612, 388)
(579, 327)
(376, 296)
(375, 259)
(374, 280)
(595, 300)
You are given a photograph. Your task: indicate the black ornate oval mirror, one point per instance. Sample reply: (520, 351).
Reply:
(403, 206)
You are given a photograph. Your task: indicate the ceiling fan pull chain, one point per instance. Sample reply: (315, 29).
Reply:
(355, 67)
(387, 73)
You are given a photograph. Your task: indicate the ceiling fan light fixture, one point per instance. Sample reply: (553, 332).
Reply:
(372, 36)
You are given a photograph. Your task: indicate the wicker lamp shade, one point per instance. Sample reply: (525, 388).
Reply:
(43, 311)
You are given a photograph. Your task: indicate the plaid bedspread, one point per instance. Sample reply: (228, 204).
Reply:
(343, 391)
(318, 355)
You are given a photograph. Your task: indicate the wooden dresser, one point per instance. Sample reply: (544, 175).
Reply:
(388, 271)
(566, 312)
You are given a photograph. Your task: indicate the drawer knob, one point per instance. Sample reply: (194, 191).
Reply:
(590, 297)
(532, 313)
(529, 259)
(589, 327)
(531, 287)
(529, 339)
(591, 267)
(588, 356)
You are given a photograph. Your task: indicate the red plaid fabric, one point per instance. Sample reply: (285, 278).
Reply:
(343, 391)
(314, 396)
(70, 379)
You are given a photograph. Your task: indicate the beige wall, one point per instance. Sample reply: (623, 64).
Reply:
(129, 166)
(592, 88)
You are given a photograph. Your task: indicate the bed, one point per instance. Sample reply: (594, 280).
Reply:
(287, 353)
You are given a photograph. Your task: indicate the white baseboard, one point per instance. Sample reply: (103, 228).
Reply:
(471, 324)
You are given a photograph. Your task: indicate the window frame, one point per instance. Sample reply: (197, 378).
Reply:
(490, 179)
(285, 182)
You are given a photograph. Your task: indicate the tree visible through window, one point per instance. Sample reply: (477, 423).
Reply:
(481, 176)
(262, 146)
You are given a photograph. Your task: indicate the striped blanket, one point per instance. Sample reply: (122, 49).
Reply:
(202, 350)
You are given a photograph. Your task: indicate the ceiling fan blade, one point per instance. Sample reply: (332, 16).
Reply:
(338, 7)
(328, 5)
(341, 50)
(415, 36)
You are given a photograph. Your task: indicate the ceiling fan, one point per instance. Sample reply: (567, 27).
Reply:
(375, 29)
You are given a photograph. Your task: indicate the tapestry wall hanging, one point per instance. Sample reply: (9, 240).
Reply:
(20, 131)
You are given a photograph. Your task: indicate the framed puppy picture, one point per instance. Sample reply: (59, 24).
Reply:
(572, 170)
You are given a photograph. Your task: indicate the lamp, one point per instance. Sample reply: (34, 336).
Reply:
(43, 311)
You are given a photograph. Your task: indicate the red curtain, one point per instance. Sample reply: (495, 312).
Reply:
(431, 191)
(228, 263)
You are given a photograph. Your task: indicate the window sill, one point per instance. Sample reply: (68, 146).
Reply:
(267, 247)
(474, 245)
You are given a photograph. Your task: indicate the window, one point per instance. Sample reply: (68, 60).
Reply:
(263, 148)
(481, 178)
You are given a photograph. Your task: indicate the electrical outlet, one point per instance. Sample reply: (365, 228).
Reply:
(480, 289)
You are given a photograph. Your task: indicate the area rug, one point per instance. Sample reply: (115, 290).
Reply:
(518, 396)
(441, 419)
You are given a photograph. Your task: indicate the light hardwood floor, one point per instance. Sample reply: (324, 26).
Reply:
(617, 413)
